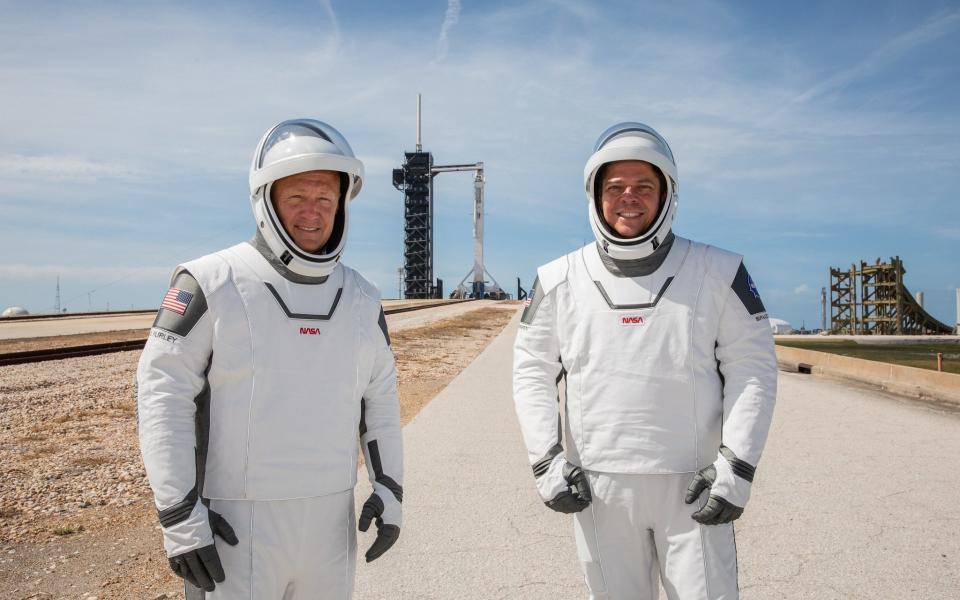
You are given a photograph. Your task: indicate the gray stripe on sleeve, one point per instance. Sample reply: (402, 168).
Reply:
(383, 326)
(533, 302)
(174, 322)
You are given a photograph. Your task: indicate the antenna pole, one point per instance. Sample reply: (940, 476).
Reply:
(419, 145)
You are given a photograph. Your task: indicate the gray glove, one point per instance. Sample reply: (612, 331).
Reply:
(563, 487)
(729, 480)
(387, 533)
(201, 567)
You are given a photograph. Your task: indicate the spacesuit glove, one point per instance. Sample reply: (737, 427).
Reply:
(729, 480)
(386, 516)
(200, 565)
(563, 487)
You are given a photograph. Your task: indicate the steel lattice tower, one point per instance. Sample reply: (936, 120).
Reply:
(886, 306)
(415, 180)
(843, 301)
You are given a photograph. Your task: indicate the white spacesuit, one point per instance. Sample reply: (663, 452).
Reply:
(265, 365)
(670, 382)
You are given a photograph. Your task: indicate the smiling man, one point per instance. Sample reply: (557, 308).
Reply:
(267, 361)
(670, 380)
(306, 204)
(631, 193)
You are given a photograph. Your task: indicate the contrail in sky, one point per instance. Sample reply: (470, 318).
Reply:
(449, 20)
(328, 6)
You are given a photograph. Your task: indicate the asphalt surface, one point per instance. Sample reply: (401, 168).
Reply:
(26, 328)
(854, 499)
(79, 323)
(474, 526)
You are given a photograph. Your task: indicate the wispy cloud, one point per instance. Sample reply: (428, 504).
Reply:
(950, 233)
(379, 165)
(334, 24)
(801, 289)
(449, 20)
(64, 168)
(928, 31)
(29, 271)
(585, 11)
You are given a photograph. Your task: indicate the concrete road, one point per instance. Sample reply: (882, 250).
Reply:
(75, 324)
(854, 499)
(474, 526)
(27, 328)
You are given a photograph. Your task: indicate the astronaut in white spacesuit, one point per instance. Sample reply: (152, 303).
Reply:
(670, 382)
(267, 364)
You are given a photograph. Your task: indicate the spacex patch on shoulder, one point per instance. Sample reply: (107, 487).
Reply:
(747, 291)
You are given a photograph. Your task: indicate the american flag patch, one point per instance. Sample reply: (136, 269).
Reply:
(529, 300)
(176, 300)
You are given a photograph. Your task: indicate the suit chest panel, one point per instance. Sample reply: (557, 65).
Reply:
(273, 330)
(630, 324)
(293, 341)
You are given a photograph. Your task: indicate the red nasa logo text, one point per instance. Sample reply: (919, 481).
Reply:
(309, 331)
(632, 320)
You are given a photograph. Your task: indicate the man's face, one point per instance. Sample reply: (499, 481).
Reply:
(306, 204)
(630, 196)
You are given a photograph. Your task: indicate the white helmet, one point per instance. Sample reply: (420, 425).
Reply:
(631, 141)
(298, 146)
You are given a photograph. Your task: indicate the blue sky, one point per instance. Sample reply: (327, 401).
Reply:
(806, 137)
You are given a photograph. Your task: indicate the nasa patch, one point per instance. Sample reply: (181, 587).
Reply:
(747, 291)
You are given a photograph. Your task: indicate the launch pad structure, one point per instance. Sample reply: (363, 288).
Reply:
(415, 180)
(873, 300)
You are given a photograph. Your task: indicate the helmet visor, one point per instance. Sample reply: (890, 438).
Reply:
(297, 129)
(634, 127)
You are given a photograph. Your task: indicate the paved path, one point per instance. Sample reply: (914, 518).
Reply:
(75, 324)
(855, 498)
(474, 526)
(29, 328)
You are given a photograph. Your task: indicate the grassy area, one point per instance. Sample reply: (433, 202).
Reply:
(923, 356)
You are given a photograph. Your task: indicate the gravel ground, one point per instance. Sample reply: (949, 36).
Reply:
(67, 433)
(76, 514)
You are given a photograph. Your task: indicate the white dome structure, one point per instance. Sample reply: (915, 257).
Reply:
(14, 311)
(780, 327)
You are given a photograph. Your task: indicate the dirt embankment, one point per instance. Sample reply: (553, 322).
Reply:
(76, 514)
